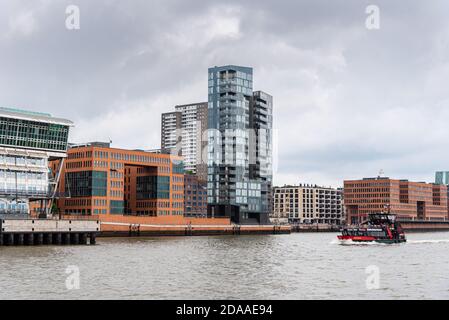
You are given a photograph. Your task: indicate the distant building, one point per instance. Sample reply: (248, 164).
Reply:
(100, 180)
(28, 140)
(170, 122)
(409, 200)
(260, 164)
(195, 196)
(308, 204)
(239, 154)
(183, 131)
(442, 177)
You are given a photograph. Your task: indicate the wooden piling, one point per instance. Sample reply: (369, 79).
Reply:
(48, 238)
(57, 239)
(66, 238)
(92, 238)
(30, 239)
(20, 239)
(75, 238)
(83, 238)
(39, 239)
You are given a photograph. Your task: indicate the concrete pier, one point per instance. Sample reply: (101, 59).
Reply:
(47, 232)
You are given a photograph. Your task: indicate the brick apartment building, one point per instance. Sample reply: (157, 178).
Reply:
(195, 196)
(409, 200)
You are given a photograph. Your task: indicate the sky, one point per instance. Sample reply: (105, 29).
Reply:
(349, 100)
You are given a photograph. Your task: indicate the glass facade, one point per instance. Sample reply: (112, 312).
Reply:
(14, 207)
(21, 178)
(27, 141)
(117, 207)
(86, 183)
(32, 134)
(230, 90)
(235, 113)
(178, 168)
(153, 187)
(442, 177)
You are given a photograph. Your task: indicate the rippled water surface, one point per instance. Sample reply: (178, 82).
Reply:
(296, 266)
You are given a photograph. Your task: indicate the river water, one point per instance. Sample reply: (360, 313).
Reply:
(296, 266)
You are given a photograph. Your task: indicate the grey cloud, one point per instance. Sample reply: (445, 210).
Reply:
(348, 101)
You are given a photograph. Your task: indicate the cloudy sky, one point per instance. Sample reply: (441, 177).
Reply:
(349, 101)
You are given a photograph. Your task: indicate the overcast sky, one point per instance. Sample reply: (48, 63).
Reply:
(348, 101)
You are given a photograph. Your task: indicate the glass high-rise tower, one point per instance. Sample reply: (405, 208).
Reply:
(239, 146)
(442, 177)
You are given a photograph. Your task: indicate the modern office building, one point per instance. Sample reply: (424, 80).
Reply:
(308, 204)
(28, 140)
(442, 177)
(100, 180)
(408, 200)
(195, 196)
(183, 131)
(239, 156)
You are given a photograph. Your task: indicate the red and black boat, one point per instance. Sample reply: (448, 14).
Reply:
(380, 227)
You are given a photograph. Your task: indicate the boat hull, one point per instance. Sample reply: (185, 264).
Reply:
(370, 239)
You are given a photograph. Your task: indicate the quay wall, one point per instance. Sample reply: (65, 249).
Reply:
(125, 226)
(425, 225)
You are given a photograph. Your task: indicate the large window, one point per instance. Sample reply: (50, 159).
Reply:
(117, 207)
(39, 135)
(153, 187)
(86, 183)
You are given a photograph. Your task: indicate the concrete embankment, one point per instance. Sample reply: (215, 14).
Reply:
(411, 225)
(315, 228)
(114, 229)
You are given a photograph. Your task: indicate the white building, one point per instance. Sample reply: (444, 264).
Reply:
(28, 140)
(183, 129)
(308, 204)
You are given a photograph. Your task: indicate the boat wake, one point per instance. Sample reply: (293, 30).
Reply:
(356, 243)
(428, 241)
(353, 243)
